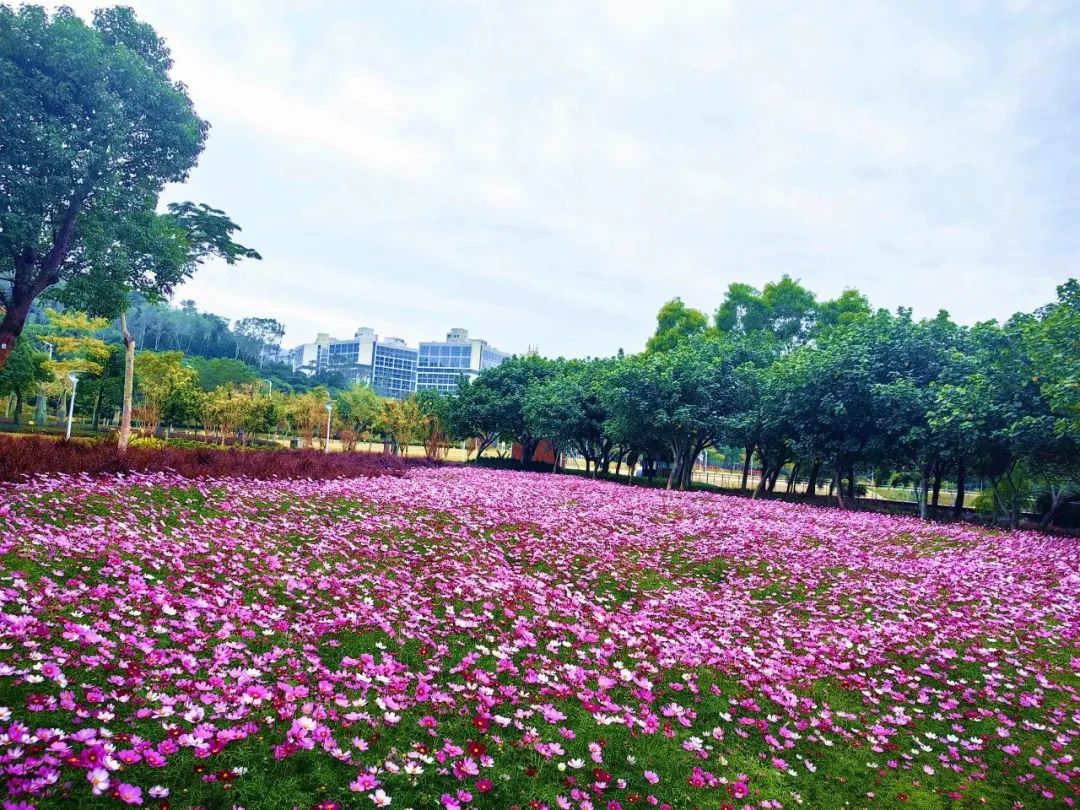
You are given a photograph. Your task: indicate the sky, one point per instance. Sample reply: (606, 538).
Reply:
(549, 174)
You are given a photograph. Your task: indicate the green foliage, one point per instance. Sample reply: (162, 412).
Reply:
(359, 410)
(678, 398)
(675, 322)
(94, 127)
(24, 372)
(494, 404)
(568, 409)
(1052, 339)
(218, 371)
(168, 389)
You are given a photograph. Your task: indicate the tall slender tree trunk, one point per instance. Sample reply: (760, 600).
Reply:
(838, 486)
(674, 473)
(763, 481)
(18, 406)
(958, 504)
(924, 488)
(851, 483)
(937, 487)
(811, 485)
(688, 469)
(129, 384)
(96, 418)
(746, 465)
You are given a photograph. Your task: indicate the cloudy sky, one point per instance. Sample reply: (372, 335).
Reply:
(550, 173)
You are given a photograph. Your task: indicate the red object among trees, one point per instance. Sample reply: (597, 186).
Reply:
(544, 453)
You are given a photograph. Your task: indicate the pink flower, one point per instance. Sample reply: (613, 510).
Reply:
(99, 780)
(651, 777)
(129, 794)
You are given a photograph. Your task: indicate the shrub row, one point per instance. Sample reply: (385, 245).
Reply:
(21, 457)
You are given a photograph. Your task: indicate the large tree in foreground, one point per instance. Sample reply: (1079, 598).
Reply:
(92, 129)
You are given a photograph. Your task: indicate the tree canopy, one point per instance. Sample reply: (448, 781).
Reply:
(93, 129)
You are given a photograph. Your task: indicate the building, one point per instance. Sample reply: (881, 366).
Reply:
(388, 365)
(393, 368)
(442, 364)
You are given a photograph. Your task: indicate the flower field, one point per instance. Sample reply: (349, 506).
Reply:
(466, 638)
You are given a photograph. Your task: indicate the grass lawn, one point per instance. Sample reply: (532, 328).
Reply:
(463, 637)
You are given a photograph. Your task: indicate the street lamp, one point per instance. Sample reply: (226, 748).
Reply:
(71, 405)
(329, 411)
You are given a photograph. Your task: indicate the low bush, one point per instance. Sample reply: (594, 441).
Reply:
(25, 456)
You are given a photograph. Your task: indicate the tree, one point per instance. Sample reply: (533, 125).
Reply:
(257, 338)
(675, 322)
(93, 129)
(784, 309)
(358, 410)
(24, 372)
(76, 347)
(404, 421)
(218, 371)
(234, 409)
(681, 397)
(168, 389)
(826, 391)
(101, 128)
(569, 411)
(493, 405)
(848, 307)
(306, 413)
(102, 394)
(1052, 339)
(435, 406)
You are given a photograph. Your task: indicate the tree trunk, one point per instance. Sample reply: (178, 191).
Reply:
(672, 472)
(33, 275)
(811, 485)
(838, 486)
(746, 466)
(793, 476)
(958, 505)
(18, 407)
(528, 450)
(688, 468)
(762, 483)
(129, 384)
(41, 409)
(1057, 499)
(924, 488)
(95, 419)
(937, 486)
(11, 327)
(851, 483)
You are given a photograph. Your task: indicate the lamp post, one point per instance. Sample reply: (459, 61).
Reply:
(329, 412)
(71, 405)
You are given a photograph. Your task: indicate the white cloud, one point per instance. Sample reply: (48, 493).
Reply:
(551, 173)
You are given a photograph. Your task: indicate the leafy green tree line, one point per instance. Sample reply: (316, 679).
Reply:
(816, 390)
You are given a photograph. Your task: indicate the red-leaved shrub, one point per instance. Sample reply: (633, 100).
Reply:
(25, 456)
